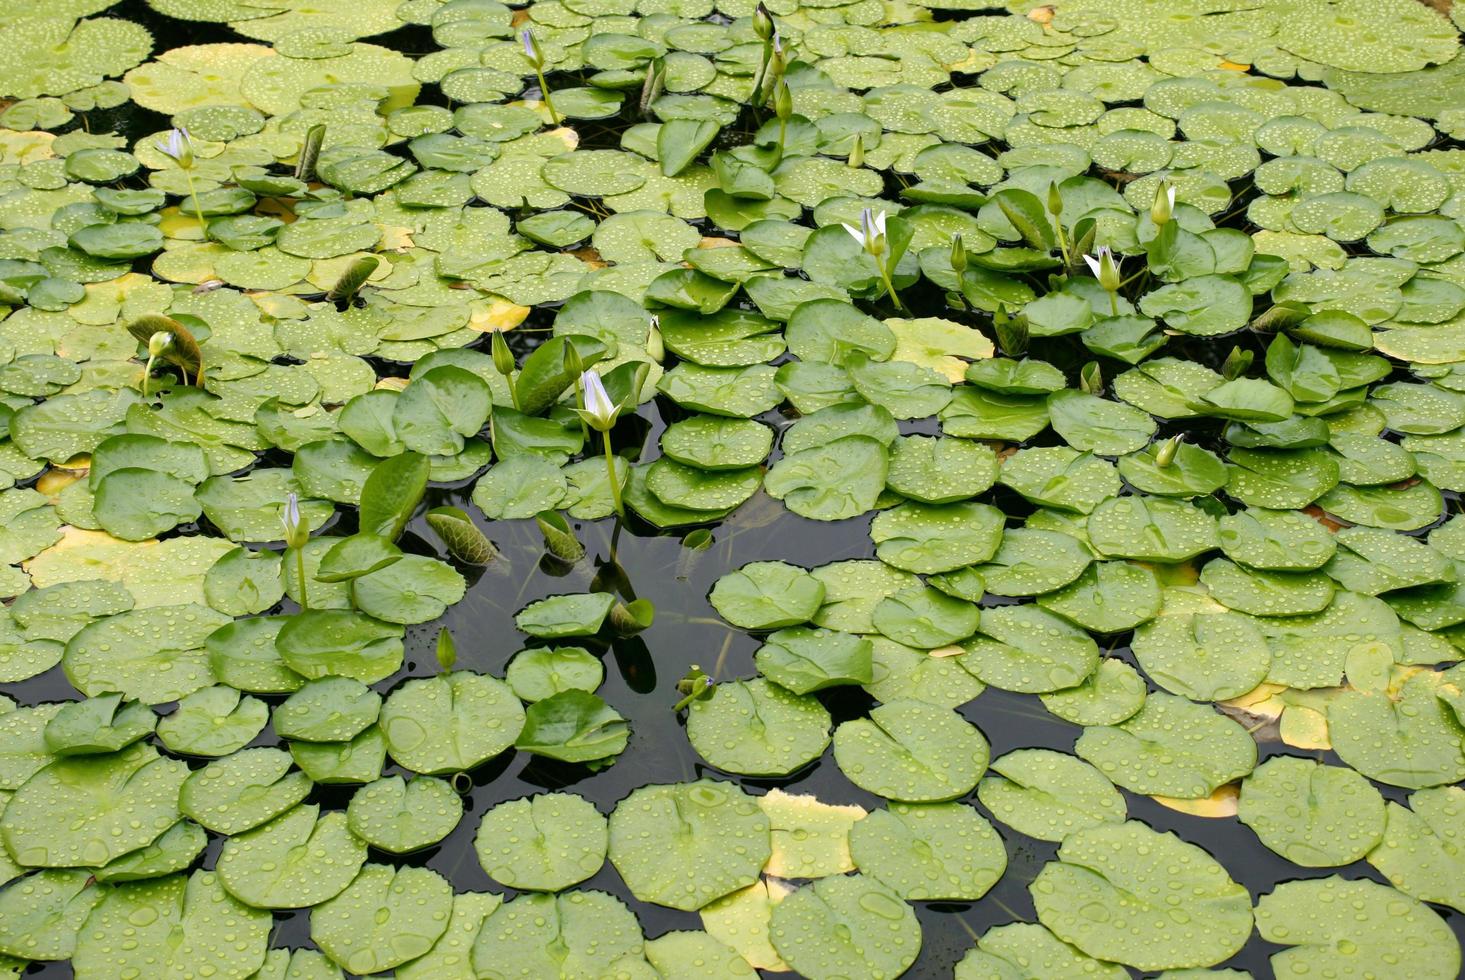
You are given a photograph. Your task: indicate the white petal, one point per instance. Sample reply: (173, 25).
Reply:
(855, 233)
(1093, 264)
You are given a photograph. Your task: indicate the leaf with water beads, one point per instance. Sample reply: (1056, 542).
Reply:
(572, 934)
(912, 751)
(1174, 907)
(1314, 815)
(1028, 951)
(292, 862)
(1109, 597)
(1170, 747)
(1032, 561)
(1110, 695)
(542, 843)
(928, 538)
(41, 914)
(1049, 795)
(687, 844)
(694, 955)
(384, 918)
(757, 728)
(174, 850)
(84, 811)
(845, 927)
(1026, 648)
(1411, 739)
(172, 926)
(767, 595)
(810, 838)
(1419, 853)
(450, 722)
(153, 655)
(929, 851)
(803, 659)
(451, 956)
(359, 760)
(242, 791)
(329, 709)
(1202, 651)
(400, 817)
(214, 721)
(1354, 928)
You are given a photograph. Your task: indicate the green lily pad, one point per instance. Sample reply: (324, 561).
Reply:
(451, 722)
(85, 811)
(384, 918)
(1049, 795)
(1314, 815)
(1170, 747)
(1098, 898)
(400, 817)
(575, 933)
(241, 791)
(172, 924)
(929, 851)
(294, 861)
(911, 751)
(757, 728)
(874, 933)
(1337, 925)
(542, 843)
(688, 844)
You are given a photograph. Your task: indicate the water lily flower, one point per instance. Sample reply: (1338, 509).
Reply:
(297, 535)
(531, 48)
(600, 411)
(1106, 270)
(534, 54)
(296, 532)
(177, 147)
(1164, 206)
(871, 233)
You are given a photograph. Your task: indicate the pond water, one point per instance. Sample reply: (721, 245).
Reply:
(636, 560)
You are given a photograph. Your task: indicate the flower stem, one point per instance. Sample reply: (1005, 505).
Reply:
(1114, 303)
(300, 570)
(890, 286)
(197, 207)
(147, 375)
(544, 94)
(615, 483)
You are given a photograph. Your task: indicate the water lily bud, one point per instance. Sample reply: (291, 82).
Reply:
(159, 342)
(572, 361)
(1091, 378)
(1236, 363)
(958, 256)
(600, 412)
(762, 23)
(1055, 200)
(1165, 455)
(1164, 207)
(296, 532)
(783, 100)
(857, 153)
(655, 345)
(503, 358)
(532, 51)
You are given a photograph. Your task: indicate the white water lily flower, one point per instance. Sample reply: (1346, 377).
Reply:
(600, 411)
(531, 47)
(1104, 268)
(871, 233)
(177, 147)
(296, 534)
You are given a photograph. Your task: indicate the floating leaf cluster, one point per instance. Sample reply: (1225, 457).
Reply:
(1125, 336)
